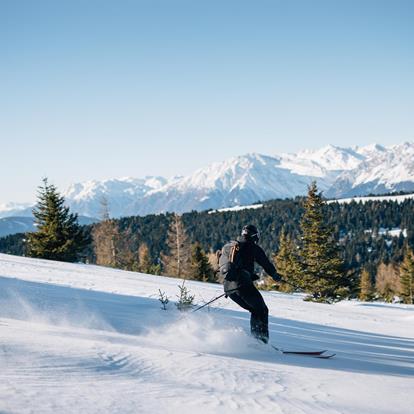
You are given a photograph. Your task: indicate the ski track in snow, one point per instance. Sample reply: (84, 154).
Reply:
(78, 338)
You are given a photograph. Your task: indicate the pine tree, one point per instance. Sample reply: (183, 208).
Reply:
(177, 262)
(287, 263)
(125, 256)
(58, 235)
(407, 277)
(365, 286)
(321, 267)
(200, 266)
(185, 299)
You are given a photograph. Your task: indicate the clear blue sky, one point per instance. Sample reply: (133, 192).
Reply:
(100, 89)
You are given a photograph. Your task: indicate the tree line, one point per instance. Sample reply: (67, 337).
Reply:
(329, 250)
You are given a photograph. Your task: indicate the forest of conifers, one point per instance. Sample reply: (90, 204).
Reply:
(360, 229)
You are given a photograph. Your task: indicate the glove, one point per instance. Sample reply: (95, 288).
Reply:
(254, 277)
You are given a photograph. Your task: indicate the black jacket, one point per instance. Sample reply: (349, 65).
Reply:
(250, 253)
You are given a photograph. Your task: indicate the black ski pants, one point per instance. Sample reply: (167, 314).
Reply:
(249, 298)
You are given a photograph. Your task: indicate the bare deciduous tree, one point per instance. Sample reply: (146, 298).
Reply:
(387, 281)
(104, 235)
(177, 262)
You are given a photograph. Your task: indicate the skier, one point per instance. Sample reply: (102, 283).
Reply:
(236, 265)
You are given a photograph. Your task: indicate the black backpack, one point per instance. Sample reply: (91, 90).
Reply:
(229, 261)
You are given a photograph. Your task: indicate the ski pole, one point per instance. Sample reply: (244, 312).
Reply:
(291, 284)
(213, 300)
(233, 290)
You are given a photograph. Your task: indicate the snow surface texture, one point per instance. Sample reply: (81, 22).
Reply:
(86, 339)
(247, 179)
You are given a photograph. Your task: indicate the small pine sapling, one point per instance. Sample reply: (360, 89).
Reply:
(163, 298)
(185, 300)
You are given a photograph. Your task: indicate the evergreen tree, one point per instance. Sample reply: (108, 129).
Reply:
(125, 254)
(407, 277)
(365, 286)
(177, 262)
(200, 266)
(58, 235)
(356, 224)
(287, 263)
(185, 299)
(321, 268)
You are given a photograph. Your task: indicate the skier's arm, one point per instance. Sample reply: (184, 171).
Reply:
(261, 258)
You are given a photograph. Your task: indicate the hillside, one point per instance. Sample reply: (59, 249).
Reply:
(80, 338)
(13, 225)
(369, 232)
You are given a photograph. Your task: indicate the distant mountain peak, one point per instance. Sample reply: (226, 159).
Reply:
(246, 179)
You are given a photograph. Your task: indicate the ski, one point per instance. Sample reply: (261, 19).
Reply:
(324, 356)
(303, 352)
(315, 354)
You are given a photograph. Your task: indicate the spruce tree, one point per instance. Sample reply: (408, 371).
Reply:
(200, 266)
(407, 277)
(177, 262)
(321, 268)
(365, 286)
(58, 235)
(287, 263)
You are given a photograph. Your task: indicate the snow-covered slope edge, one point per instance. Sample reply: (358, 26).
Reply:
(395, 198)
(96, 339)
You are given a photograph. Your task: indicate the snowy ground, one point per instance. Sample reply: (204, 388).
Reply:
(85, 339)
(364, 199)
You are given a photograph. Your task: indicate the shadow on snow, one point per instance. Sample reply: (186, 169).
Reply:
(357, 351)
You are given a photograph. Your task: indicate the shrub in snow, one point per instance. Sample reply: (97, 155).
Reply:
(163, 298)
(185, 300)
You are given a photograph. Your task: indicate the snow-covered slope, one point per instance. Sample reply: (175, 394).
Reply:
(85, 339)
(363, 200)
(237, 181)
(319, 162)
(383, 170)
(254, 177)
(247, 179)
(121, 195)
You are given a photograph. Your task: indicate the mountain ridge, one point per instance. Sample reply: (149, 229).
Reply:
(246, 179)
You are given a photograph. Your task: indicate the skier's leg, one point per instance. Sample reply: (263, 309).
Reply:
(259, 321)
(236, 298)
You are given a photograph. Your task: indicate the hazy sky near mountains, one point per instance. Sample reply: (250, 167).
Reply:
(103, 89)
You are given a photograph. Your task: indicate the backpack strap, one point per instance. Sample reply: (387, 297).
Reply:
(234, 250)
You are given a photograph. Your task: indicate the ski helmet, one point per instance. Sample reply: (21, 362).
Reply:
(250, 232)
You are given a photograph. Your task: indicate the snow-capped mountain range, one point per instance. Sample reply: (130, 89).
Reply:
(246, 179)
